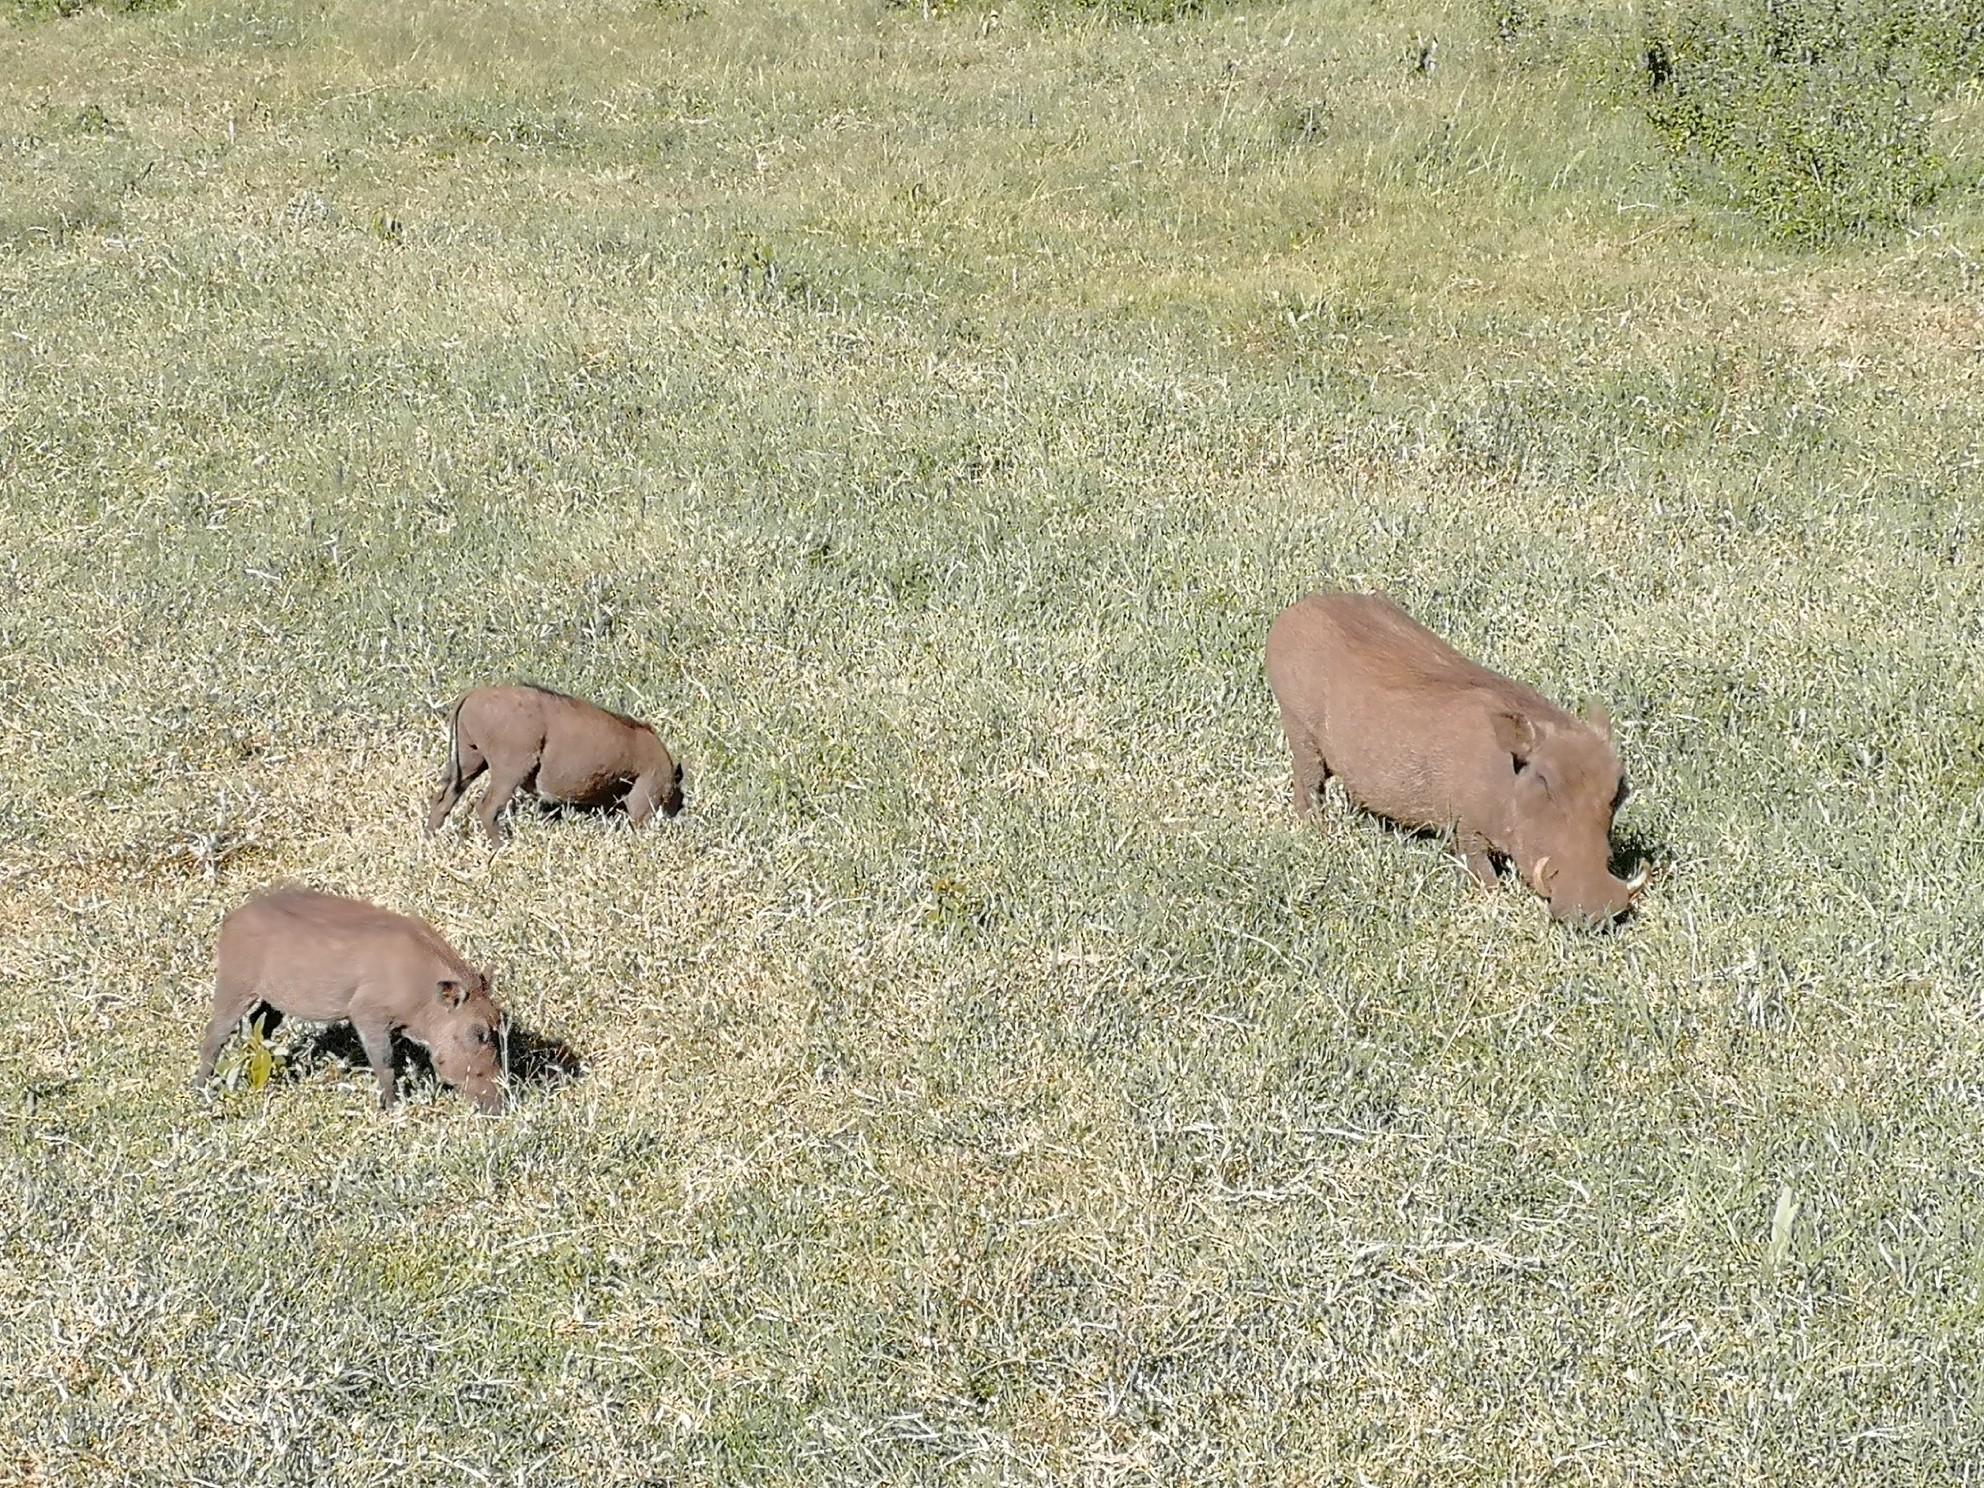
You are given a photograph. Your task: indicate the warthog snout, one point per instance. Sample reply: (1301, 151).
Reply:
(1595, 903)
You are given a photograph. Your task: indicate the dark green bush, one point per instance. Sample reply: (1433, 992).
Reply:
(43, 10)
(1811, 115)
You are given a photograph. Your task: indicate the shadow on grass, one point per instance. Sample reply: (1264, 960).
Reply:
(525, 805)
(1630, 853)
(537, 1062)
(561, 811)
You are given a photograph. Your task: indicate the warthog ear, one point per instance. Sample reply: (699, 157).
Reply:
(1515, 734)
(1599, 719)
(452, 992)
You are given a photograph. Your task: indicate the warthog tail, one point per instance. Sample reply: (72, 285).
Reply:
(453, 781)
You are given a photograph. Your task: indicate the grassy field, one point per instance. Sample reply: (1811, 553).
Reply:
(922, 417)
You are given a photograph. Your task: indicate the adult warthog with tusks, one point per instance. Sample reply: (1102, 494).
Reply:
(1422, 736)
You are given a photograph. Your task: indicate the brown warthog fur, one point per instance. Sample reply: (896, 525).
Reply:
(1420, 735)
(560, 748)
(317, 956)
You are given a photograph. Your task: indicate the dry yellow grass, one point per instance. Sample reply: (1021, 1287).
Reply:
(921, 420)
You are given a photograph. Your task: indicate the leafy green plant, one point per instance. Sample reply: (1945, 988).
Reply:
(42, 10)
(1811, 115)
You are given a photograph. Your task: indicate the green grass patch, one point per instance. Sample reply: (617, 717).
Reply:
(921, 415)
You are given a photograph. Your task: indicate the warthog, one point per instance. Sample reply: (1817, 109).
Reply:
(1419, 734)
(558, 747)
(317, 956)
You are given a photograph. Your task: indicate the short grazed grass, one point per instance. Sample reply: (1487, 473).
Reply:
(922, 419)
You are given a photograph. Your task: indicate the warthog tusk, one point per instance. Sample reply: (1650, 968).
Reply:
(1638, 880)
(1541, 864)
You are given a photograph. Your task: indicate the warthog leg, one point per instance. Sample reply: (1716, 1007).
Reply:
(1473, 850)
(645, 798)
(1307, 759)
(503, 784)
(378, 1041)
(454, 781)
(231, 1000)
(218, 1033)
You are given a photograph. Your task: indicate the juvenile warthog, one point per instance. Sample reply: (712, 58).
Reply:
(317, 956)
(558, 747)
(1421, 735)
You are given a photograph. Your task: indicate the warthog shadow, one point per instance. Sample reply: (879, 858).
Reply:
(535, 1061)
(574, 810)
(525, 804)
(1630, 853)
